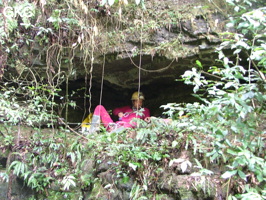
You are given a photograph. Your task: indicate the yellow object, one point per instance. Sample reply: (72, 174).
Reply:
(137, 95)
(85, 125)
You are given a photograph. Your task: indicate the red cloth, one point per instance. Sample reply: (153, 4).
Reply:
(129, 114)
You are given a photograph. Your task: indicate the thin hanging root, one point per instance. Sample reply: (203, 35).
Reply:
(66, 125)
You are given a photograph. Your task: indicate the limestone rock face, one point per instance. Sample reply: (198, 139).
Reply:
(163, 42)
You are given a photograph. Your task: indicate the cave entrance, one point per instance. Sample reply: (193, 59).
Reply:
(156, 94)
(118, 79)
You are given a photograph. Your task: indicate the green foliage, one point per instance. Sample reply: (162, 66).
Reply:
(68, 181)
(55, 19)
(15, 110)
(24, 10)
(4, 177)
(18, 167)
(45, 164)
(231, 114)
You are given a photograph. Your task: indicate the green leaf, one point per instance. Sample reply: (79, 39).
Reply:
(230, 197)
(137, 2)
(185, 165)
(157, 156)
(198, 163)
(199, 64)
(232, 152)
(174, 143)
(242, 175)
(133, 166)
(228, 174)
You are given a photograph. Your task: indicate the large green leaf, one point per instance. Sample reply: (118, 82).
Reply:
(228, 174)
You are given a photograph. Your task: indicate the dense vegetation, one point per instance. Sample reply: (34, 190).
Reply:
(221, 137)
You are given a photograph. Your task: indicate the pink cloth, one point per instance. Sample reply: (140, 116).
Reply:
(129, 114)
